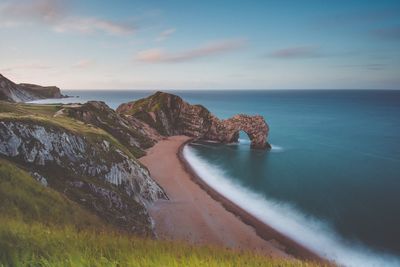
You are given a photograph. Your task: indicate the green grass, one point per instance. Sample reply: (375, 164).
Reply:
(24, 199)
(38, 245)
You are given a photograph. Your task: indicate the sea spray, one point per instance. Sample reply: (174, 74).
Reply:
(310, 232)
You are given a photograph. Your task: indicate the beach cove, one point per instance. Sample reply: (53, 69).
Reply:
(197, 214)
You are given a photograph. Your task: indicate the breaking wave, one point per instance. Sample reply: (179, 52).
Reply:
(310, 232)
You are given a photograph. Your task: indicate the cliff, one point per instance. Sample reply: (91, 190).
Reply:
(12, 92)
(170, 115)
(84, 162)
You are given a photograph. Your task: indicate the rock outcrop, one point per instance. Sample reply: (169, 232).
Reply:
(89, 169)
(170, 115)
(132, 133)
(12, 92)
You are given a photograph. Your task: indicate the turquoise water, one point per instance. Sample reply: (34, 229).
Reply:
(332, 179)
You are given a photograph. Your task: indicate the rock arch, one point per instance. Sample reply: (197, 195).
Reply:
(169, 115)
(227, 131)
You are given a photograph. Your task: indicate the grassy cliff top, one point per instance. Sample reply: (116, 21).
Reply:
(46, 115)
(151, 103)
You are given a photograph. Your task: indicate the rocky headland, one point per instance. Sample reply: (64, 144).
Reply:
(24, 92)
(170, 115)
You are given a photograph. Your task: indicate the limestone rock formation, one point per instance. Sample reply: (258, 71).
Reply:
(12, 92)
(132, 133)
(227, 131)
(90, 169)
(170, 115)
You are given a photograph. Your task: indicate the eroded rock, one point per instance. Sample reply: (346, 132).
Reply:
(170, 115)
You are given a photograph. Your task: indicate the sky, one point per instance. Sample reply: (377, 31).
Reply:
(209, 44)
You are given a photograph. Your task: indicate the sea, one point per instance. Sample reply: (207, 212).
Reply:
(332, 178)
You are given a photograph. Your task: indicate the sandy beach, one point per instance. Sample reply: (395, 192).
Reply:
(197, 214)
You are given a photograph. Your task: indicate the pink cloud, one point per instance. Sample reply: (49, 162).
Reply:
(296, 52)
(211, 49)
(91, 25)
(165, 34)
(40, 10)
(54, 13)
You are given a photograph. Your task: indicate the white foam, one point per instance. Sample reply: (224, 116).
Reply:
(244, 141)
(313, 234)
(275, 148)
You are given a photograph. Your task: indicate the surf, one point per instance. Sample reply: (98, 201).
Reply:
(311, 232)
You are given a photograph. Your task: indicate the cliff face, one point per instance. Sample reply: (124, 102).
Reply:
(82, 161)
(170, 115)
(12, 92)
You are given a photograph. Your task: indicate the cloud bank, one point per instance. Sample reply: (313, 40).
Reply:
(211, 49)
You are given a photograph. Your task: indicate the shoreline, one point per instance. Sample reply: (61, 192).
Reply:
(198, 214)
(262, 229)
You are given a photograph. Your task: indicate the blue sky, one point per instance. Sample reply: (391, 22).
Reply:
(232, 44)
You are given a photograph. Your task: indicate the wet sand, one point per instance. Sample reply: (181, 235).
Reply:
(198, 214)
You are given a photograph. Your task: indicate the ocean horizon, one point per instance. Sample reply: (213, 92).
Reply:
(329, 182)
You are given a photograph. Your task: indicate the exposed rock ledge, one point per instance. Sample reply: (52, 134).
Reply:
(170, 115)
(12, 92)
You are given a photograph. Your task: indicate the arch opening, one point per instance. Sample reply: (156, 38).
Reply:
(243, 138)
